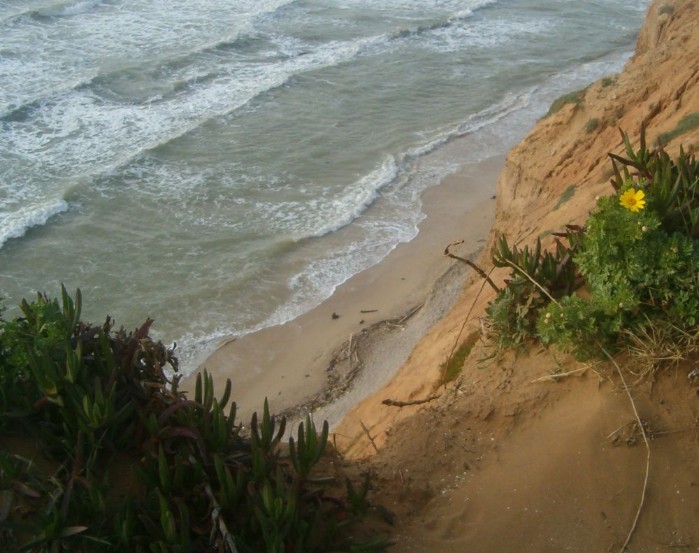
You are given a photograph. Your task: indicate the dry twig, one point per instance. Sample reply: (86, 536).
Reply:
(556, 376)
(395, 403)
(218, 522)
(468, 315)
(471, 264)
(410, 314)
(645, 440)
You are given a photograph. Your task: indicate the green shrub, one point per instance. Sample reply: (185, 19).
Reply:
(686, 124)
(101, 451)
(608, 81)
(672, 186)
(635, 271)
(666, 9)
(452, 366)
(536, 277)
(591, 125)
(579, 326)
(567, 194)
(629, 259)
(569, 98)
(638, 256)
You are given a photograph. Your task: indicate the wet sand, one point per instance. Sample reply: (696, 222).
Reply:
(333, 356)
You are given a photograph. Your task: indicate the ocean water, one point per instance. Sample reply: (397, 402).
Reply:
(224, 166)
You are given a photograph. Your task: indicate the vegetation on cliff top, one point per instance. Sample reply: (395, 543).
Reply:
(101, 451)
(632, 270)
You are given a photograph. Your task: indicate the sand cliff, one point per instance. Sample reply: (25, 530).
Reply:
(499, 462)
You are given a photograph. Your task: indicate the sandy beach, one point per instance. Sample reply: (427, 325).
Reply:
(333, 356)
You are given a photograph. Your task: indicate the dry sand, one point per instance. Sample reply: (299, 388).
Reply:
(508, 461)
(382, 312)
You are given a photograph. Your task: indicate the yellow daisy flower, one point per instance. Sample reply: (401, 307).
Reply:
(633, 200)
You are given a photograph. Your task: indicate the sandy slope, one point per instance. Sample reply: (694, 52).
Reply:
(502, 463)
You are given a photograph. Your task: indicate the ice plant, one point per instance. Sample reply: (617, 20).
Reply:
(633, 200)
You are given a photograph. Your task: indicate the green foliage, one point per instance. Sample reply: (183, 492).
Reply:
(451, 368)
(686, 124)
(580, 326)
(358, 497)
(592, 125)
(536, 277)
(608, 81)
(635, 271)
(307, 451)
(641, 267)
(41, 336)
(672, 186)
(566, 196)
(575, 97)
(101, 451)
(629, 259)
(666, 9)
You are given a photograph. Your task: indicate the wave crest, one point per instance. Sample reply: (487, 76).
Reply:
(16, 224)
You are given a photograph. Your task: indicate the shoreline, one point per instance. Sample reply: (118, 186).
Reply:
(331, 357)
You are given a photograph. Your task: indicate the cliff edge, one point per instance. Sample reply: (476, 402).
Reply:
(507, 458)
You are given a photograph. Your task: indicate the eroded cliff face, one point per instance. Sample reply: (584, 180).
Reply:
(551, 179)
(656, 90)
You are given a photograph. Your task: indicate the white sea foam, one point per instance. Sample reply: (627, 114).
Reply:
(342, 209)
(67, 9)
(15, 224)
(95, 134)
(411, 6)
(222, 131)
(486, 34)
(489, 116)
(75, 50)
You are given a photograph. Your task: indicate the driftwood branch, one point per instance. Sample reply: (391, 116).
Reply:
(395, 403)
(471, 264)
(410, 314)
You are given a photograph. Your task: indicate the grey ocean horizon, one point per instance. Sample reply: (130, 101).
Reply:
(223, 167)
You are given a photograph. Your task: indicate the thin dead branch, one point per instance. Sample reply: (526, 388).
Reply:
(218, 522)
(468, 315)
(557, 376)
(532, 279)
(409, 314)
(471, 264)
(396, 403)
(645, 440)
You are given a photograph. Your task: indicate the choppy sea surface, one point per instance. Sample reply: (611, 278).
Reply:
(224, 166)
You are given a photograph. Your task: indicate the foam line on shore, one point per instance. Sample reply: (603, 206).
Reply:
(292, 364)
